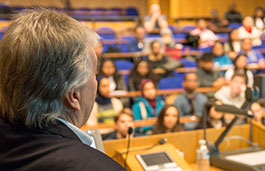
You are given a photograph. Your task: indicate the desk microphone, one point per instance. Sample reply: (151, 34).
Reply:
(130, 131)
(160, 142)
(233, 110)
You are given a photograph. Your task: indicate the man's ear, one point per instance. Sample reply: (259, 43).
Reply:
(72, 100)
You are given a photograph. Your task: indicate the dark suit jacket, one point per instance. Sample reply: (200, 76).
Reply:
(54, 148)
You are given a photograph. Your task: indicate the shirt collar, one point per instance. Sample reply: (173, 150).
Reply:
(85, 138)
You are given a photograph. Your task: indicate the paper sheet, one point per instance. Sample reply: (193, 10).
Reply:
(252, 159)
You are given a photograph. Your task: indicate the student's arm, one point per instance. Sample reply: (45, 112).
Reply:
(149, 25)
(162, 22)
(136, 111)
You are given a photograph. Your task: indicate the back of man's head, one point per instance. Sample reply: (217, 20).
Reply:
(43, 54)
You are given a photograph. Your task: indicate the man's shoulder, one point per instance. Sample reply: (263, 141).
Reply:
(84, 157)
(180, 99)
(60, 153)
(54, 149)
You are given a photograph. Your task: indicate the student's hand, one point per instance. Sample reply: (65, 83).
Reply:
(156, 15)
(219, 82)
(232, 55)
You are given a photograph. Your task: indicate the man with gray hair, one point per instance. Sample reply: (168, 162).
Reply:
(47, 91)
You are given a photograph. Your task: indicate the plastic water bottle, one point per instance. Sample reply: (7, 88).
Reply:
(203, 156)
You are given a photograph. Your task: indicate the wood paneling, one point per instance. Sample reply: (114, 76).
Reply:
(191, 8)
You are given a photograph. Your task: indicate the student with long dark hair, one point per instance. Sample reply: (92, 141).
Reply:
(240, 66)
(141, 70)
(214, 119)
(233, 46)
(168, 120)
(220, 58)
(259, 19)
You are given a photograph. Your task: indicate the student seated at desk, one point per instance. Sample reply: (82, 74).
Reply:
(220, 58)
(253, 56)
(116, 81)
(190, 103)
(155, 20)
(240, 66)
(233, 94)
(105, 108)
(233, 46)
(259, 19)
(137, 44)
(249, 31)
(158, 61)
(258, 110)
(123, 121)
(170, 44)
(207, 77)
(168, 120)
(214, 119)
(207, 37)
(147, 106)
(141, 70)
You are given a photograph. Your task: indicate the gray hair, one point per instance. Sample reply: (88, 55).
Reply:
(43, 54)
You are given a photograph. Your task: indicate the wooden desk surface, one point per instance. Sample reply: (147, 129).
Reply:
(194, 167)
(119, 94)
(134, 165)
(140, 123)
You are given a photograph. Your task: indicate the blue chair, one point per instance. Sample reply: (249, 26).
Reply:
(1, 35)
(172, 28)
(207, 49)
(106, 33)
(262, 46)
(107, 47)
(113, 13)
(123, 65)
(188, 63)
(97, 13)
(126, 80)
(180, 35)
(171, 82)
(153, 35)
(222, 35)
(188, 27)
(124, 46)
(132, 11)
(234, 25)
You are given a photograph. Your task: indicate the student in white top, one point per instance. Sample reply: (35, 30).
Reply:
(207, 37)
(248, 30)
(233, 94)
(233, 46)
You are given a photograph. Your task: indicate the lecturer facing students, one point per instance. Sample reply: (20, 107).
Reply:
(47, 91)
